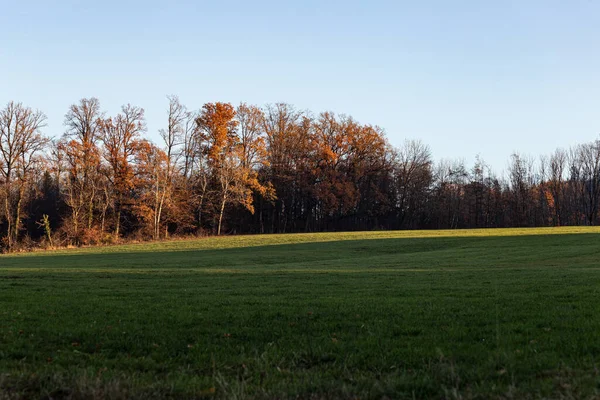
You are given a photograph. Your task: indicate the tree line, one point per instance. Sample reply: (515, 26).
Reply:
(249, 169)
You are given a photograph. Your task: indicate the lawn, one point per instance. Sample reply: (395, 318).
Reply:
(423, 314)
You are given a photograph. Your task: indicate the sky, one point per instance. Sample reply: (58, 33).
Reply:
(467, 78)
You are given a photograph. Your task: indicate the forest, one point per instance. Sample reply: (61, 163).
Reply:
(228, 169)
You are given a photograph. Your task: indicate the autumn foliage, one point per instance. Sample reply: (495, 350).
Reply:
(249, 169)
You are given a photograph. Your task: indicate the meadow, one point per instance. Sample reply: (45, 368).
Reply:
(505, 313)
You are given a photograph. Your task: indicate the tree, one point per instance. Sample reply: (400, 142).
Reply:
(164, 178)
(475, 192)
(335, 191)
(21, 142)
(413, 177)
(589, 159)
(287, 133)
(522, 182)
(230, 171)
(151, 184)
(369, 167)
(121, 138)
(252, 141)
(80, 149)
(556, 184)
(254, 155)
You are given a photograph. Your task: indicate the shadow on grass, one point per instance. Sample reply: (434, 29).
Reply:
(458, 252)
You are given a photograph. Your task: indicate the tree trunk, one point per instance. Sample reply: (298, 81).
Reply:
(90, 212)
(158, 215)
(260, 218)
(118, 225)
(17, 218)
(200, 211)
(157, 206)
(221, 215)
(8, 218)
(91, 207)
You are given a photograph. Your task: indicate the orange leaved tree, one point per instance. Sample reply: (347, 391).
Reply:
(231, 175)
(80, 152)
(121, 138)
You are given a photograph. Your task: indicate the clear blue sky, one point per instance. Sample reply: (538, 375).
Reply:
(466, 77)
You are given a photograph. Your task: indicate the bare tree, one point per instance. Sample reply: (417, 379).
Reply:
(173, 137)
(522, 180)
(589, 157)
(21, 142)
(250, 120)
(413, 177)
(285, 131)
(556, 184)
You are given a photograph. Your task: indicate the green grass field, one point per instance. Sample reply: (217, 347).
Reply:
(427, 314)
